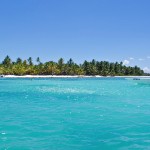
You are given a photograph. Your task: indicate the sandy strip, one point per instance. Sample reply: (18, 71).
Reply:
(67, 76)
(48, 76)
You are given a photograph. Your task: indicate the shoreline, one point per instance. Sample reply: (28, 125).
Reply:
(69, 76)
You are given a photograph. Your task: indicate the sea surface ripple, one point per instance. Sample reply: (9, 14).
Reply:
(74, 114)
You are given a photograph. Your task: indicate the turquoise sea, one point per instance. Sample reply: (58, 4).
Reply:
(74, 114)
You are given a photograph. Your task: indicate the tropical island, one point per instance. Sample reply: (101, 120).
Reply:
(90, 68)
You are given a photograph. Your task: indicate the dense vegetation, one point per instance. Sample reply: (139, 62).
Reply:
(27, 67)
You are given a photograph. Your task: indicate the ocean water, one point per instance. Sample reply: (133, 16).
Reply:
(74, 114)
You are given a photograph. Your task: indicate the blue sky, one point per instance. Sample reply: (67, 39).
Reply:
(113, 30)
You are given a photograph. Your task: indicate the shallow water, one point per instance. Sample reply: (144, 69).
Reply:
(74, 114)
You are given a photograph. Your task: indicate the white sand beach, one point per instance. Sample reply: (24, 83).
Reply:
(69, 76)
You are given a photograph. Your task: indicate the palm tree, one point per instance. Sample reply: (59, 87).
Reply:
(70, 62)
(30, 61)
(19, 61)
(60, 64)
(38, 60)
(7, 61)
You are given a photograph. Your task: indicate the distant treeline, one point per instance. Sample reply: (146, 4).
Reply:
(103, 68)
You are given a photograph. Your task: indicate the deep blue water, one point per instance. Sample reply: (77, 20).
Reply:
(74, 114)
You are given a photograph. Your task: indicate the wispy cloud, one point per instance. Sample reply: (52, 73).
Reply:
(146, 70)
(126, 62)
(148, 57)
(131, 58)
(140, 59)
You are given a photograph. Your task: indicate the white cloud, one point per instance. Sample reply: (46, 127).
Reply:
(141, 59)
(146, 70)
(126, 62)
(131, 58)
(148, 57)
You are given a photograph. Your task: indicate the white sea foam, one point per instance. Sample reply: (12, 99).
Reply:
(3, 133)
(64, 90)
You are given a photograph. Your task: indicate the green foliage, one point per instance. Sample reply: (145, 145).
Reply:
(103, 68)
(7, 61)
